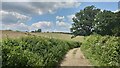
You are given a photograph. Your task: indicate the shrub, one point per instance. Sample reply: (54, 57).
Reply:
(105, 50)
(34, 51)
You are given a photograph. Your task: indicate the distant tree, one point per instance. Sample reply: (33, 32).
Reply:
(17, 31)
(83, 21)
(32, 31)
(39, 30)
(9, 30)
(47, 31)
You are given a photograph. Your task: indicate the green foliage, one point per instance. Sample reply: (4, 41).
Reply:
(116, 29)
(91, 19)
(34, 51)
(107, 23)
(102, 50)
(83, 21)
(39, 30)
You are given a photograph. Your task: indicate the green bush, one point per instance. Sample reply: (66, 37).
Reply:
(102, 50)
(34, 51)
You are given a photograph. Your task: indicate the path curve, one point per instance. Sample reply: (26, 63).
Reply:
(75, 57)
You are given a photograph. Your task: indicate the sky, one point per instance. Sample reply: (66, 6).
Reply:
(48, 16)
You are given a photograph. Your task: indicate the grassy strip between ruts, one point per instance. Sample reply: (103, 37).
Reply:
(34, 51)
(102, 50)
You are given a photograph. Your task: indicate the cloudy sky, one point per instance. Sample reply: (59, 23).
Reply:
(48, 16)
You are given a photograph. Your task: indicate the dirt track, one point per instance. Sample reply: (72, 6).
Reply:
(75, 58)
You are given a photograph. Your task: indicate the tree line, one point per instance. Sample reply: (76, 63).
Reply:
(38, 30)
(92, 20)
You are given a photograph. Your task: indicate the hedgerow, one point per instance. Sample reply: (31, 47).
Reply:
(34, 51)
(102, 50)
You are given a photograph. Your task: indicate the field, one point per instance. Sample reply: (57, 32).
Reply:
(11, 34)
(14, 34)
(60, 36)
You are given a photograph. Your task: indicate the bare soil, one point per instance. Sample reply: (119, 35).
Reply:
(75, 58)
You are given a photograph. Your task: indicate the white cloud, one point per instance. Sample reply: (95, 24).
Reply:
(42, 24)
(16, 14)
(16, 26)
(40, 1)
(70, 17)
(60, 18)
(33, 8)
(13, 17)
(62, 24)
(67, 4)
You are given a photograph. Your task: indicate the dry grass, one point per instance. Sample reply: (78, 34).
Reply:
(11, 34)
(60, 36)
(14, 34)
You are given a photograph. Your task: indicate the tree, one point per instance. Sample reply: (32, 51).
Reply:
(104, 22)
(83, 21)
(116, 30)
(39, 30)
(92, 20)
(107, 23)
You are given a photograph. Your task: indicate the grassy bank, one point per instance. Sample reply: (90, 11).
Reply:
(102, 50)
(34, 51)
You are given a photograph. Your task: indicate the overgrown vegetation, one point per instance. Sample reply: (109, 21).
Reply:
(102, 50)
(34, 51)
